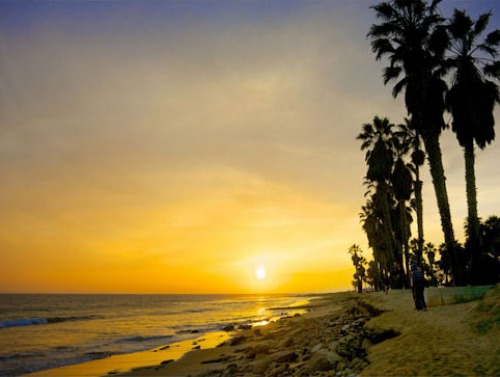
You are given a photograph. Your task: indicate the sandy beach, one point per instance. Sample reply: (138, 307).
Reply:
(349, 334)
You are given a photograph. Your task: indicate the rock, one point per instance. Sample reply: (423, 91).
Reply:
(257, 332)
(245, 327)
(317, 347)
(346, 328)
(230, 371)
(197, 347)
(321, 361)
(217, 360)
(165, 362)
(341, 365)
(333, 345)
(288, 342)
(280, 370)
(228, 328)
(358, 364)
(284, 357)
(260, 366)
(262, 348)
(366, 343)
(237, 340)
(195, 331)
(350, 347)
(164, 348)
(297, 315)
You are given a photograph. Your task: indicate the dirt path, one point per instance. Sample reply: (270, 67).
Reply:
(437, 342)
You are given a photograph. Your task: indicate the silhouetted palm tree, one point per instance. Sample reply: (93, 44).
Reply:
(410, 139)
(370, 217)
(471, 100)
(402, 184)
(410, 34)
(378, 138)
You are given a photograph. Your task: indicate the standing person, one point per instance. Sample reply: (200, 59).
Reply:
(418, 283)
(387, 283)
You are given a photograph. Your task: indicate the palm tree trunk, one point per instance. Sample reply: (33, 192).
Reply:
(404, 236)
(433, 148)
(420, 216)
(388, 231)
(473, 242)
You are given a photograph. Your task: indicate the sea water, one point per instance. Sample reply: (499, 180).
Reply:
(44, 331)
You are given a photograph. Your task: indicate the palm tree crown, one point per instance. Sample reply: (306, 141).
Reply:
(411, 36)
(472, 97)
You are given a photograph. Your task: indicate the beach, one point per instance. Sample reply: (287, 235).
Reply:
(346, 334)
(89, 335)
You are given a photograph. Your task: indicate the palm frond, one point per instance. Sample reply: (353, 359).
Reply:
(493, 38)
(384, 10)
(481, 23)
(400, 85)
(382, 46)
(484, 47)
(492, 69)
(439, 40)
(460, 24)
(391, 73)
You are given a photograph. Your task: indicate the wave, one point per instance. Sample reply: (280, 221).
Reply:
(137, 339)
(41, 321)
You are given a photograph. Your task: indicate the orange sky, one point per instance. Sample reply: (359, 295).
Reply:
(176, 147)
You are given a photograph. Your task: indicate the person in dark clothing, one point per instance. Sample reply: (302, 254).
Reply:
(418, 284)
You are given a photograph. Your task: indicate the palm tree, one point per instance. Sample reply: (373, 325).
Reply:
(410, 139)
(410, 34)
(378, 139)
(471, 100)
(373, 227)
(402, 182)
(358, 261)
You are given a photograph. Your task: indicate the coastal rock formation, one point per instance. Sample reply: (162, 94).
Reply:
(329, 345)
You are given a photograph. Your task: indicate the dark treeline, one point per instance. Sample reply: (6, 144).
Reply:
(439, 65)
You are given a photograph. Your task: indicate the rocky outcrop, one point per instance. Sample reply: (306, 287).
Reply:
(331, 345)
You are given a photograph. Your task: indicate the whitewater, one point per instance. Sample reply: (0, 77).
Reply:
(44, 331)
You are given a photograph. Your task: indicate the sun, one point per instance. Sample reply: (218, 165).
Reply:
(260, 273)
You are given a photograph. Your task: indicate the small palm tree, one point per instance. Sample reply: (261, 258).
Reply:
(471, 100)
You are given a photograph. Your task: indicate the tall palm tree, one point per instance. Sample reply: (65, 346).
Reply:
(410, 139)
(402, 181)
(410, 34)
(471, 100)
(402, 185)
(377, 138)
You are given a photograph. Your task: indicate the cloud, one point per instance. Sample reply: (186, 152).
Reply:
(214, 128)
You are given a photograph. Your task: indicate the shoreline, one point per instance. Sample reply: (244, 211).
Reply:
(344, 334)
(244, 351)
(348, 334)
(124, 362)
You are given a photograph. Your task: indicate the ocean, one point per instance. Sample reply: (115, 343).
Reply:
(45, 331)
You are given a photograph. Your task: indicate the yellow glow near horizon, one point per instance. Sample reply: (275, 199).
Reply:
(251, 236)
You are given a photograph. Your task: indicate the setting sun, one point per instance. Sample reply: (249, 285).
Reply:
(260, 273)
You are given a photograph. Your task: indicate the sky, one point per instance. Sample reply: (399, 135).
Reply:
(182, 146)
